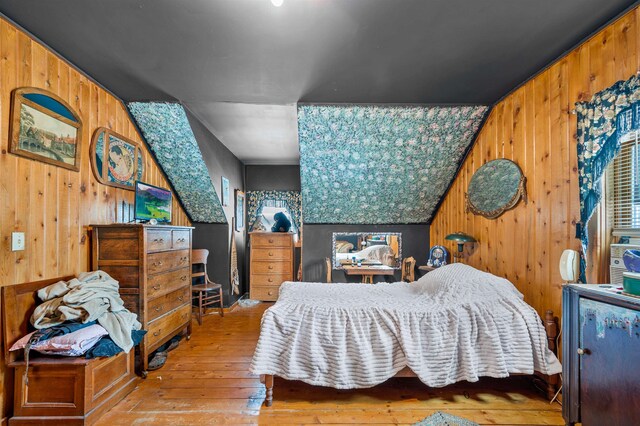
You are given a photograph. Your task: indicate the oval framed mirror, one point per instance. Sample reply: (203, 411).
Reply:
(496, 187)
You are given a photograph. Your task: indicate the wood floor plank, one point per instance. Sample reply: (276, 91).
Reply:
(207, 381)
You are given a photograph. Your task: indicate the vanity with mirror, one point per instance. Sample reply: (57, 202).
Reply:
(367, 249)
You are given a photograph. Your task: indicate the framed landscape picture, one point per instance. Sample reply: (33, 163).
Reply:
(45, 128)
(225, 191)
(116, 160)
(239, 210)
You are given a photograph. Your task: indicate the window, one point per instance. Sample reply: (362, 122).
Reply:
(623, 185)
(269, 210)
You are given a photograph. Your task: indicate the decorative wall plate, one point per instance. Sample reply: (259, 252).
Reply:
(116, 160)
(496, 187)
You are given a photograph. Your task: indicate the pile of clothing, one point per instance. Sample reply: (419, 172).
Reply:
(83, 316)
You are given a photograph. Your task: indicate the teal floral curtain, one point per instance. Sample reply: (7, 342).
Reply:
(291, 200)
(602, 122)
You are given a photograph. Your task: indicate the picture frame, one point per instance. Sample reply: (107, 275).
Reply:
(115, 159)
(45, 128)
(240, 210)
(225, 191)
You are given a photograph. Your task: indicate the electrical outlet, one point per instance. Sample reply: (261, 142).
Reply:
(17, 241)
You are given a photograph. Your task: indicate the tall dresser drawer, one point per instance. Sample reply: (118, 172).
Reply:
(269, 279)
(161, 305)
(158, 240)
(181, 240)
(275, 267)
(271, 254)
(159, 285)
(269, 294)
(271, 240)
(167, 261)
(165, 325)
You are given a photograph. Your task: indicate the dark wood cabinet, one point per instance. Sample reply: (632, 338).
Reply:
(153, 266)
(601, 357)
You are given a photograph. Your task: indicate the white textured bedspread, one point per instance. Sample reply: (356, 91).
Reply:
(455, 323)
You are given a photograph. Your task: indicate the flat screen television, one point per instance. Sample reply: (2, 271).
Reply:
(152, 203)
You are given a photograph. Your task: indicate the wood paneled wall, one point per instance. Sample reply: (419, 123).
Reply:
(533, 126)
(53, 206)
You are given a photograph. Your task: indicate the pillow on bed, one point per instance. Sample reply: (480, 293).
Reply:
(462, 274)
(343, 247)
(72, 344)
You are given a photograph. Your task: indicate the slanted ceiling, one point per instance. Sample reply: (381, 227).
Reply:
(374, 164)
(241, 65)
(166, 128)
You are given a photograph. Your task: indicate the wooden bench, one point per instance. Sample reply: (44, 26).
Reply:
(60, 390)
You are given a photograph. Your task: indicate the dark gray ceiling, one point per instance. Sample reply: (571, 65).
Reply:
(203, 52)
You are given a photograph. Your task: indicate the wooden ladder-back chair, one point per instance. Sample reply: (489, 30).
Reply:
(329, 267)
(408, 269)
(207, 293)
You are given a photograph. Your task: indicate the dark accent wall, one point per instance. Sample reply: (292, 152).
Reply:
(316, 246)
(216, 237)
(272, 178)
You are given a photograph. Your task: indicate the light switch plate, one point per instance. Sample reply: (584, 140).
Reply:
(17, 241)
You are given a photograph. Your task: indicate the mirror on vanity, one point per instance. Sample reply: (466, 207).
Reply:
(370, 248)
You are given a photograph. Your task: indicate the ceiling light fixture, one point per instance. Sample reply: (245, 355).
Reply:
(277, 3)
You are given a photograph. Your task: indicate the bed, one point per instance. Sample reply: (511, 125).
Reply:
(456, 323)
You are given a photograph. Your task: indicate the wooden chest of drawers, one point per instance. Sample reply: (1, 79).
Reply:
(153, 266)
(271, 263)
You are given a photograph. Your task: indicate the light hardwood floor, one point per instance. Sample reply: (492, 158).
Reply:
(207, 381)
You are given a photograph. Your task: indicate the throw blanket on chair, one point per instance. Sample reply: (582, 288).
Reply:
(93, 296)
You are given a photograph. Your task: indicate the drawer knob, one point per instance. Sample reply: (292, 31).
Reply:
(582, 351)
(270, 293)
(270, 253)
(156, 287)
(181, 298)
(270, 280)
(270, 266)
(158, 240)
(157, 333)
(183, 278)
(158, 263)
(158, 308)
(271, 241)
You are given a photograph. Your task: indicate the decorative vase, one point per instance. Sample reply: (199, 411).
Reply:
(631, 259)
